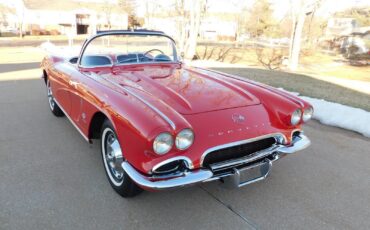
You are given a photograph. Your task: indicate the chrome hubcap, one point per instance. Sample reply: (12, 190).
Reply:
(113, 156)
(50, 97)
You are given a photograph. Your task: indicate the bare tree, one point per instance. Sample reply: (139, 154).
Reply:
(107, 10)
(194, 25)
(122, 6)
(300, 9)
(260, 19)
(3, 17)
(260, 23)
(270, 58)
(151, 8)
(240, 17)
(129, 7)
(189, 16)
(181, 22)
(20, 12)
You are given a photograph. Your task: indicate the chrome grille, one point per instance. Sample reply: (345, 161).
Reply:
(238, 151)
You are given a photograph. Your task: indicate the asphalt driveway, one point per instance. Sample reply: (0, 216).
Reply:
(51, 178)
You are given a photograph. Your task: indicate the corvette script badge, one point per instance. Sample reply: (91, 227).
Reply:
(238, 118)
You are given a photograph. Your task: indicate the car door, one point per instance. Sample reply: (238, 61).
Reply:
(60, 87)
(78, 95)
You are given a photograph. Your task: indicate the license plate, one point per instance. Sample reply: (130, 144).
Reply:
(249, 174)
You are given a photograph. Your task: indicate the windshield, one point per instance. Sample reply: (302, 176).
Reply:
(113, 49)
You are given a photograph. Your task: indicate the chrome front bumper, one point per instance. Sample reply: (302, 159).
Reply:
(263, 159)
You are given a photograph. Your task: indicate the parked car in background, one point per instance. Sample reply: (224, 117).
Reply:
(356, 48)
(162, 124)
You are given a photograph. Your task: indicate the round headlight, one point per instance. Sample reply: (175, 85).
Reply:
(296, 117)
(184, 139)
(307, 114)
(163, 143)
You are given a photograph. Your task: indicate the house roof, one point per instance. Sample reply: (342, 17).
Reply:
(70, 5)
(6, 9)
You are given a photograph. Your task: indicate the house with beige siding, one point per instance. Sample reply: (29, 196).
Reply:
(65, 16)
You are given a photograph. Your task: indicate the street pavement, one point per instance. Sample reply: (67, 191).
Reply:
(51, 178)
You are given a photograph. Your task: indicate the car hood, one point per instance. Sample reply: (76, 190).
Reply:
(186, 90)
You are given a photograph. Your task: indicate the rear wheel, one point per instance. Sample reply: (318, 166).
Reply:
(53, 106)
(112, 159)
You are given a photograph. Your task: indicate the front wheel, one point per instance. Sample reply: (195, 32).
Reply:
(112, 159)
(53, 106)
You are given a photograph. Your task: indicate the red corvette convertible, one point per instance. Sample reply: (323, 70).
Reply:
(163, 124)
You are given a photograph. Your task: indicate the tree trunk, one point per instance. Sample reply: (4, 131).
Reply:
(182, 36)
(294, 24)
(21, 30)
(296, 42)
(181, 26)
(300, 9)
(147, 16)
(191, 43)
(20, 17)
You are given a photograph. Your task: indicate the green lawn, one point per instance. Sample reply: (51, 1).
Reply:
(304, 85)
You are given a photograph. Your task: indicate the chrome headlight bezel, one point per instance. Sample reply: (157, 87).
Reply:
(296, 117)
(163, 143)
(184, 139)
(307, 114)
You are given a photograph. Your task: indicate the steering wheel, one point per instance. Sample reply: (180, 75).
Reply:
(149, 51)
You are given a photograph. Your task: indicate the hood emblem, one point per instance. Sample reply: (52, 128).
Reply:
(238, 118)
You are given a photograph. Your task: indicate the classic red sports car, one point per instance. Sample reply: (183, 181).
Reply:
(163, 124)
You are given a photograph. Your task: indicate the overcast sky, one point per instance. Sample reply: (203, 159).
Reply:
(281, 6)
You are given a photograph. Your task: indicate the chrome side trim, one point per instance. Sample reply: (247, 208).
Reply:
(95, 66)
(146, 63)
(168, 120)
(280, 135)
(70, 119)
(186, 159)
(155, 109)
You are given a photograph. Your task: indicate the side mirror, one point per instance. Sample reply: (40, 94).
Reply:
(73, 60)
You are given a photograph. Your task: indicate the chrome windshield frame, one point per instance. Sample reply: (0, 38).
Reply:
(133, 33)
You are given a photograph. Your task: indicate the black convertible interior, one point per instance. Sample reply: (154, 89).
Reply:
(140, 57)
(102, 60)
(96, 60)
